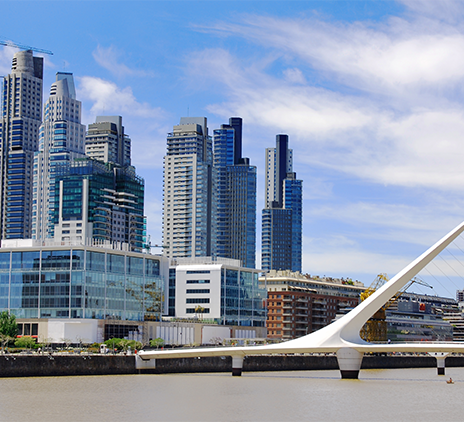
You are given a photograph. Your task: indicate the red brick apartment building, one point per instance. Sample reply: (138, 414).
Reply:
(298, 304)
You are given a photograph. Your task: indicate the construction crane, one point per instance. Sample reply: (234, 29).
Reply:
(375, 329)
(25, 47)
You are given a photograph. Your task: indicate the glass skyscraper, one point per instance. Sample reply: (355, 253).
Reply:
(282, 216)
(19, 136)
(235, 196)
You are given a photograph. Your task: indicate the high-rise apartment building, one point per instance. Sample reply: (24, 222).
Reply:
(19, 137)
(107, 142)
(188, 223)
(235, 196)
(61, 141)
(282, 216)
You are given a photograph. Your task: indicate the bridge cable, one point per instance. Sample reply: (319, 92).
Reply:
(449, 265)
(457, 259)
(438, 281)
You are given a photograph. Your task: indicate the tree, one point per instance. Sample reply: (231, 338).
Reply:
(157, 342)
(25, 341)
(4, 340)
(8, 325)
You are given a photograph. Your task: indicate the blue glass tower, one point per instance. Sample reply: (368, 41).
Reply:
(19, 136)
(282, 217)
(236, 196)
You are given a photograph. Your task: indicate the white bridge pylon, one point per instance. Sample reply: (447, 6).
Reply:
(341, 337)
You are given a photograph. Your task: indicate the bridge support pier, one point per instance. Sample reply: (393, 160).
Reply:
(349, 362)
(144, 364)
(237, 365)
(440, 356)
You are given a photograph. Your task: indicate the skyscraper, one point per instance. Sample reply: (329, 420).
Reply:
(19, 138)
(188, 223)
(236, 196)
(282, 215)
(107, 142)
(61, 140)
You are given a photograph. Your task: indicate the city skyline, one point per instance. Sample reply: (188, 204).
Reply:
(369, 93)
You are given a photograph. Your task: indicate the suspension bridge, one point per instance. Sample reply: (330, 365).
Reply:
(341, 337)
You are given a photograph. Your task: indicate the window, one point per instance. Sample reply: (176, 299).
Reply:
(197, 300)
(198, 271)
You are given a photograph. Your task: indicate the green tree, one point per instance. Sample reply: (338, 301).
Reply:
(4, 340)
(25, 341)
(113, 343)
(8, 325)
(157, 342)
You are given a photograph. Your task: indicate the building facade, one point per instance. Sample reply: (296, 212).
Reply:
(282, 216)
(419, 317)
(106, 141)
(100, 202)
(236, 196)
(299, 304)
(19, 139)
(61, 141)
(219, 290)
(188, 221)
(78, 281)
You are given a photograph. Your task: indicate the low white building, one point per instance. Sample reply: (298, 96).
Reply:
(218, 289)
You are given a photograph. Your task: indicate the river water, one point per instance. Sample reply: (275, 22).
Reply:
(379, 395)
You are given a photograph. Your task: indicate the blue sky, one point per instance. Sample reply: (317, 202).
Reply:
(369, 92)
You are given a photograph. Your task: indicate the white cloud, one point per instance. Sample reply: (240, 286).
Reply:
(108, 98)
(387, 58)
(6, 55)
(109, 57)
(344, 263)
(294, 76)
(144, 123)
(451, 11)
(399, 118)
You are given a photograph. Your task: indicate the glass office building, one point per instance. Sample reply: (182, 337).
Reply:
(81, 282)
(282, 216)
(293, 200)
(99, 201)
(236, 196)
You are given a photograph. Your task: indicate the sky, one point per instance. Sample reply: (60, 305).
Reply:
(369, 92)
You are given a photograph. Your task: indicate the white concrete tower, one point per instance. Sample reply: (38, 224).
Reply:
(188, 198)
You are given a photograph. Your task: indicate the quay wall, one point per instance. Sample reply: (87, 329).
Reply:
(58, 365)
(63, 365)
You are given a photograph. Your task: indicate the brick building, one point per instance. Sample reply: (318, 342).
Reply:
(298, 304)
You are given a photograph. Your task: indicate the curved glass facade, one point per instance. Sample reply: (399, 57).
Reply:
(81, 283)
